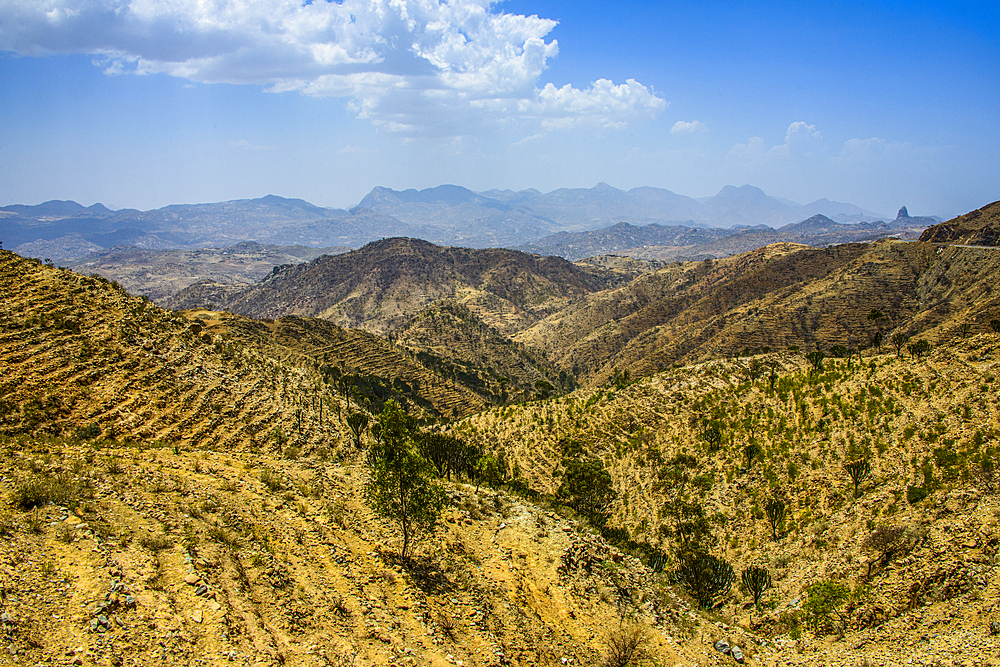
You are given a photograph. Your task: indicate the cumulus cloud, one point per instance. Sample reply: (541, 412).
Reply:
(688, 127)
(414, 66)
(801, 140)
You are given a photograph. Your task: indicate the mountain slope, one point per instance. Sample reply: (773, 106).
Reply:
(980, 227)
(774, 297)
(928, 424)
(381, 286)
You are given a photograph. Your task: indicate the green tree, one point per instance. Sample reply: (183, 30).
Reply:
(586, 487)
(752, 452)
(687, 524)
(401, 487)
(898, 341)
(489, 471)
(357, 422)
(919, 349)
(859, 471)
(712, 435)
(816, 359)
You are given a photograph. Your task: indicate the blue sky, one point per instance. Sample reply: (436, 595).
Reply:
(143, 103)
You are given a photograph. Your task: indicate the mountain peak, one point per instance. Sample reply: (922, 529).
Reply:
(903, 213)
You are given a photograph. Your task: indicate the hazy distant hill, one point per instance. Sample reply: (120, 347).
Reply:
(447, 214)
(384, 284)
(669, 243)
(159, 274)
(579, 209)
(61, 230)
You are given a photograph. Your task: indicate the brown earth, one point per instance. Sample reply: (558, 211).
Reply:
(978, 228)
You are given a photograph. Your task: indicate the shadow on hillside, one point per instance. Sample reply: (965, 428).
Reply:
(425, 573)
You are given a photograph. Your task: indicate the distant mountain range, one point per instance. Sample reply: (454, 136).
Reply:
(447, 214)
(672, 242)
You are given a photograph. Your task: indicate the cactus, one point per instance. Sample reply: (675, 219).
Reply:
(756, 580)
(708, 579)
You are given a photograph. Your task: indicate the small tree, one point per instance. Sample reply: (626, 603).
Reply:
(712, 435)
(708, 579)
(401, 488)
(859, 471)
(886, 541)
(995, 326)
(898, 341)
(357, 422)
(752, 452)
(586, 487)
(688, 524)
(965, 328)
(775, 510)
(626, 644)
(756, 580)
(816, 359)
(919, 349)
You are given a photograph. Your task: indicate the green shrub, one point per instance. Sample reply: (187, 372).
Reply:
(271, 479)
(914, 494)
(823, 607)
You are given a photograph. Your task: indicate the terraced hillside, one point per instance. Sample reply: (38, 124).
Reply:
(724, 440)
(775, 297)
(79, 352)
(449, 337)
(381, 286)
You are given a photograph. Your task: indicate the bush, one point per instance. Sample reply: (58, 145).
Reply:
(60, 489)
(914, 494)
(155, 542)
(823, 606)
(271, 480)
(626, 645)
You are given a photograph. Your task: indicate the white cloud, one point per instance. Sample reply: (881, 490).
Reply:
(414, 66)
(688, 127)
(245, 145)
(861, 151)
(801, 140)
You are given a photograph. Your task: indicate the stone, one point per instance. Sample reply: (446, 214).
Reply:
(201, 590)
(192, 579)
(737, 654)
(197, 616)
(722, 646)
